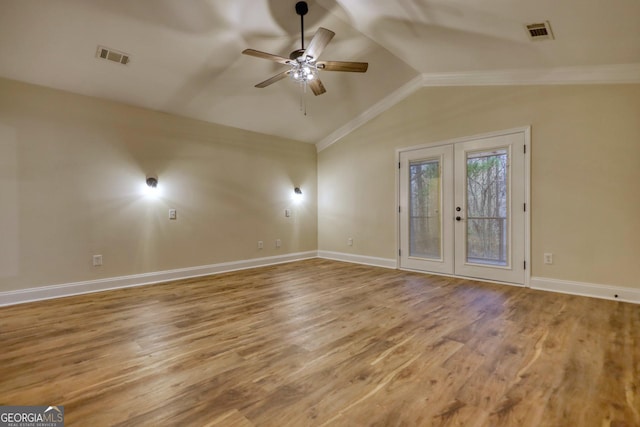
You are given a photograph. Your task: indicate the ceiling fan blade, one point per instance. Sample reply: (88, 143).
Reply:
(273, 79)
(316, 86)
(265, 55)
(352, 67)
(319, 41)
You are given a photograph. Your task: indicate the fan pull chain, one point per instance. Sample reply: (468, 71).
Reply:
(303, 101)
(304, 95)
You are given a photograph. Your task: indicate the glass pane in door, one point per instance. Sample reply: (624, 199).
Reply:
(486, 201)
(424, 209)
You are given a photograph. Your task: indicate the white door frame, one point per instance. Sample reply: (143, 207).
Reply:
(526, 130)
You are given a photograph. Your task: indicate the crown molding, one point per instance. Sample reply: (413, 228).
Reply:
(376, 109)
(595, 74)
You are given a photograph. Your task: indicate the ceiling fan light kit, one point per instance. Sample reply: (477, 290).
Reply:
(302, 73)
(303, 63)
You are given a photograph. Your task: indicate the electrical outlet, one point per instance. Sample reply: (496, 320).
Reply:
(350, 241)
(173, 214)
(97, 260)
(278, 243)
(260, 244)
(548, 258)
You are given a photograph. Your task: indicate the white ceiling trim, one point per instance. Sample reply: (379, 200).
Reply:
(376, 109)
(599, 74)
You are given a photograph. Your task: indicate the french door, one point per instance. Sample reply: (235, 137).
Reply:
(462, 208)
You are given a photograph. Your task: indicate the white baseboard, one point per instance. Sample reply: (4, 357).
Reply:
(594, 290)
(77, 288)
(358, 259)
(615, 293)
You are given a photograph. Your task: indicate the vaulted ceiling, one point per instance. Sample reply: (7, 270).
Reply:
(186, 55)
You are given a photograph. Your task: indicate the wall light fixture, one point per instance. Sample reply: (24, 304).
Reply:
(297, 195)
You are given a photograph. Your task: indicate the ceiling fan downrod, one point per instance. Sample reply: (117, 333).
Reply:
(302, 9)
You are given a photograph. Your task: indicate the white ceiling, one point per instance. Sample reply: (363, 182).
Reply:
(186, 60)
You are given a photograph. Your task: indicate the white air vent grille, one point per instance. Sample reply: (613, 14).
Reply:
(112, 55)
(540, 31)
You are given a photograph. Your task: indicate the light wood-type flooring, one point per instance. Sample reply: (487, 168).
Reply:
(321, 342)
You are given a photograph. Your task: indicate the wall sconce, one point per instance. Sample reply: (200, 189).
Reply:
(150, 188)
(297, 195)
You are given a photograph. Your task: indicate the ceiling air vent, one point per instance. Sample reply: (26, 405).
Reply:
(540, 31)
(112, 55)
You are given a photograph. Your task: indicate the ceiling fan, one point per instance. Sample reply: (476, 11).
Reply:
(303, 63)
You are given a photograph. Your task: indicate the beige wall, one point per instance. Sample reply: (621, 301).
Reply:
(72, 171)
(585, 173)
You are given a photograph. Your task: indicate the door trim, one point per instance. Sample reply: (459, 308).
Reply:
(526, 130)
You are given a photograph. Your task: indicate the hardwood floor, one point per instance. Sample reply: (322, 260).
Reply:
(320, 342)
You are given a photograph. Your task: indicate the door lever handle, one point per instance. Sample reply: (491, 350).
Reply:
(458, 218)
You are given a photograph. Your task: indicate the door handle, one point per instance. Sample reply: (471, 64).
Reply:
(458, 218)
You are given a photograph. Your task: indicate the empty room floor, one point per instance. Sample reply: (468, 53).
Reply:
(321, 342)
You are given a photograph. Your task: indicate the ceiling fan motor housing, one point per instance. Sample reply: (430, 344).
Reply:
(296, 54)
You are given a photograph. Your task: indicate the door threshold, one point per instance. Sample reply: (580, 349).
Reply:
(475, 279)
